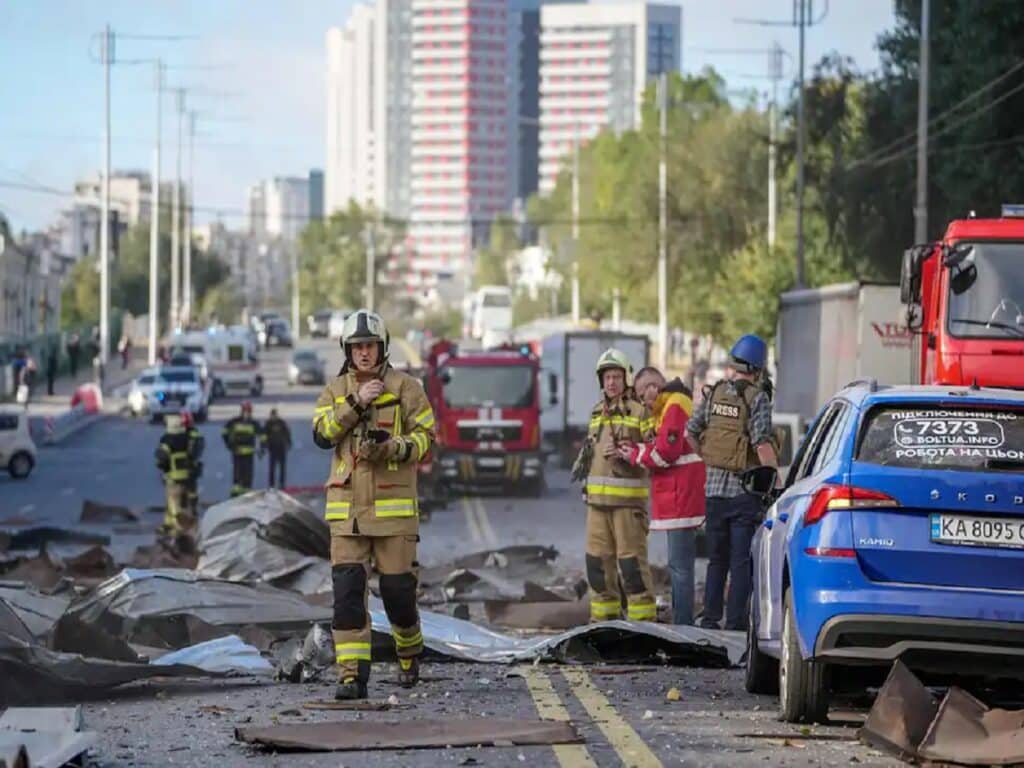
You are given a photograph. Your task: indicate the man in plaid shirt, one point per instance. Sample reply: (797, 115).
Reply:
(733, 428)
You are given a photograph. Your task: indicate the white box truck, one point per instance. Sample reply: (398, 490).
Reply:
(568, 367)
(830, 336)
(231, 356)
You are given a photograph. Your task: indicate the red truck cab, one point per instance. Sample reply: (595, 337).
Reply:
(965, 297)
(487, 408)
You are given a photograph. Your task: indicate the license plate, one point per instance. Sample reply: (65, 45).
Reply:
(490, 461)
(977, 531)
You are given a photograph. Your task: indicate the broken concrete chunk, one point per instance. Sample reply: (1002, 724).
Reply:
(98, 512)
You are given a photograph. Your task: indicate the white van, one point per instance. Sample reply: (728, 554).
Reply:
(230, 355)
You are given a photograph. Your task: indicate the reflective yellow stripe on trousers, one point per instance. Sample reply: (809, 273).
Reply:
(641, 612)
(351, 652)
(605, 609)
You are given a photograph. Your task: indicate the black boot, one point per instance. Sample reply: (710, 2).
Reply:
(350, 688)
(408, 672)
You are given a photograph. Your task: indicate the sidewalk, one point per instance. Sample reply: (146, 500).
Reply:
(42, 404)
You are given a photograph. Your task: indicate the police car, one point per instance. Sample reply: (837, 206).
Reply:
(899, 534)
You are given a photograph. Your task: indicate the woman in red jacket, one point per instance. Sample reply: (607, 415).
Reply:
(677, 481)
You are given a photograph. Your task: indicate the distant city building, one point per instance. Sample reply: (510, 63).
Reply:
(316, 195)
(279, 207)
(259, 265)
(31, 276)
(595, 62)
(129, 194)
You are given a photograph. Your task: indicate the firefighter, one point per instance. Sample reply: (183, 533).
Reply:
(279, 442)
(733, 428)
(616, 494)
(243, 437)
(378, 424)
(196, 446)
(174, 460)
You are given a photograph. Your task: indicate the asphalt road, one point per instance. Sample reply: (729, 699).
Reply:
(624, 717)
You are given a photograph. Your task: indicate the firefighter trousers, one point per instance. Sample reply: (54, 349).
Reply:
(617, 554)
(178, 515)
(394, 558)
(241, 473)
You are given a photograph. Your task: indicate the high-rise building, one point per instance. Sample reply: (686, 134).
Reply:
(369, 96)
(460, 136)
(316, 195)
(595, 62)
(279, 207)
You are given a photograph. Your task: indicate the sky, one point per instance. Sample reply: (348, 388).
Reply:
(255, 74)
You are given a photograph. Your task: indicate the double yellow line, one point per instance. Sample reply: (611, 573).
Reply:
(631, 749)
(477, 521)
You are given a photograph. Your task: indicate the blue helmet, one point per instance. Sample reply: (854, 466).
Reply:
(750, 350)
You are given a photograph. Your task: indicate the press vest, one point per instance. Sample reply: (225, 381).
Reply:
(364, 497)
(725, 442)
(613, 482)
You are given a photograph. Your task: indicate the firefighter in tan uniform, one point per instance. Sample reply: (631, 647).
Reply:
(379, 425)
(616, 495)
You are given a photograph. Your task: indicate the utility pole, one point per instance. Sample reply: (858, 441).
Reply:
(176, 221)
(107, 53)
(775, 73)
(371, 268)
(662, 225)
(189, 202)
(576, 224)
(921, 208)
(616, 309)
(800, 139)
(154, 225)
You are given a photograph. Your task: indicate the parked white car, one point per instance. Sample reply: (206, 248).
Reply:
(140, 391)
(17, 449)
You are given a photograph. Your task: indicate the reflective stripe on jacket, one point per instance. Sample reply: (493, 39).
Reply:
(677, 472)
(174, 458)
(374, 498)
(613, 482)
(241, 436)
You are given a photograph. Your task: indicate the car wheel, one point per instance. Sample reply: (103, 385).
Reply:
(762, 671)
(20, 465)
(803, 688)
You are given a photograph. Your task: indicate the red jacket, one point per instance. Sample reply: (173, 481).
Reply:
(677, 472)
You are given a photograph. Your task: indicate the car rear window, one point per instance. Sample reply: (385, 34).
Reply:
(939, 437)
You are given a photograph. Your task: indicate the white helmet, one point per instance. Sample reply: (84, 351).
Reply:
(364, 325)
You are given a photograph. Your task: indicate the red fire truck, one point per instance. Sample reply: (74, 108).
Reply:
(487, 408)
(965, 297)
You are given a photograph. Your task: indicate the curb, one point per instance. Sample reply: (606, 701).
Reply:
(59, 436)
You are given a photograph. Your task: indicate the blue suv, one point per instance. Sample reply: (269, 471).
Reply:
(899, 534)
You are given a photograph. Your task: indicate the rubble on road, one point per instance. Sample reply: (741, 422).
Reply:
(225, 655)
(43, 737)
(908, 722)
(46, 571)
(266, 536)
(36, 611)
(98, 512)
(412, 734)
(38, 537)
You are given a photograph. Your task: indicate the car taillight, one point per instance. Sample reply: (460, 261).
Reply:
(830, 497)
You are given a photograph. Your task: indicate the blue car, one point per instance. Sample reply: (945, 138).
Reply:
(899, 534)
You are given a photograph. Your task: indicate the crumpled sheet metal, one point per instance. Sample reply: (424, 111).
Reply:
(409, 734)
(173, 608)
(33, 674)
(493, 574)
(37, 611)
(43, 737)
(907, 722)
(269, 537)
(225, 655)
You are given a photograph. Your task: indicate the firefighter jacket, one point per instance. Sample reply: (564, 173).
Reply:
(613, 482)
(677, 472)
(242, 436)
(196, 446)
(372, 486)
(279, 437)
(174, 458)
(725, 441)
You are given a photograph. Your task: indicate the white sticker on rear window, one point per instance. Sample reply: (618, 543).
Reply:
(973, 432)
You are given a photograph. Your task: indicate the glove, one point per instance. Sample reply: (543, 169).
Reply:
(389, 450)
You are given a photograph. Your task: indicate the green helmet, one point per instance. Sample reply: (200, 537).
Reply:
(613, 358)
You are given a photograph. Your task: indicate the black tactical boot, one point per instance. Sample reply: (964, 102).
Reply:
(350, 688)
(408, 672)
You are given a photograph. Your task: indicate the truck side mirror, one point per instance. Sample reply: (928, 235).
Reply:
(910, 276)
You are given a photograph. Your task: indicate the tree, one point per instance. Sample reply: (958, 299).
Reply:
(80, 298)
(492, 261)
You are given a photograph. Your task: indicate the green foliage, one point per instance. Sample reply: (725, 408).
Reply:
(80, 299)
(443, 323)
(332, 258)
(492, 261)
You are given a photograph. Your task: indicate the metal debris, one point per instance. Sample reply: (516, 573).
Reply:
(227, 655)
(97, 512)
(414, 734)
(48, 738)
(37, 538)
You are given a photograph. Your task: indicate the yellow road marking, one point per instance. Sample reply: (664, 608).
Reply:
(632, 750)
(471, 521)
(490, 537)
(549, 707)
